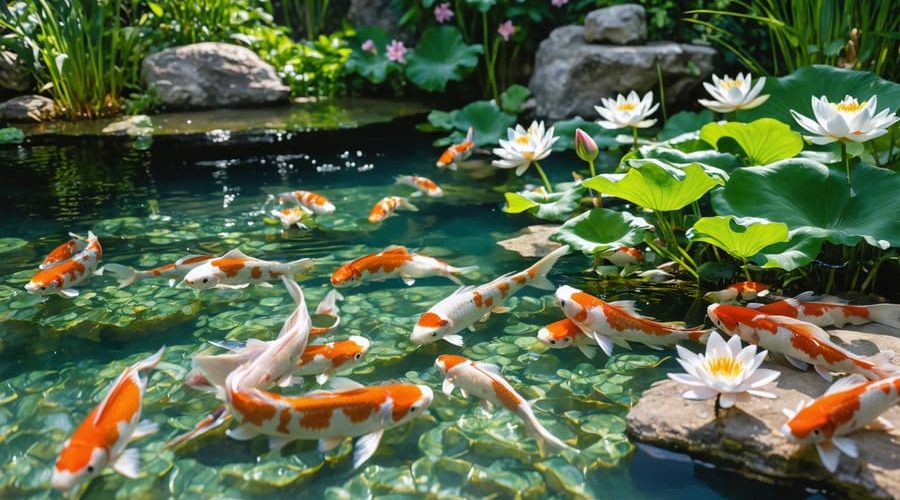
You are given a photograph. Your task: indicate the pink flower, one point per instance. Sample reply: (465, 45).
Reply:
(369, 46)
(396, 51)
(506, 30)
(558, 3)
(443, 12)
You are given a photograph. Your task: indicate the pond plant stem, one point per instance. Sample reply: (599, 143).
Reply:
(846, 159)
(634, 145)
(489, 59)
(543, 177)
(598, 200)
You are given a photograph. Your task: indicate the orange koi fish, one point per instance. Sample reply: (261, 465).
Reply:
(386, 206)
(467, 305)
(327, 416)
(395, 262)
(322, 361)
(624, 256)
(565, 333)
(423, 185)
(744, 290)
(457, 153)
(800, 342)
(833, 314)
(483, 381)
(101, 439)
(291, 216)
(64, 251)
(314, 202)
(174, 271)
(851, 404)
(236, 270)
(60, 278)
(618, 322)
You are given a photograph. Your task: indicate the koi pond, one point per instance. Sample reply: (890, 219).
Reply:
(59, 356)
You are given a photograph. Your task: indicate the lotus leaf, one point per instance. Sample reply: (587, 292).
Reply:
(764, 141)
(813, 200)
(565, 130)
(441, 56)
(799, 251)
(742, 237)
(684, 122)
(601, 229)
(11, 135)
(373, 67)
(511, 99)
(488, 121)
(557, 206)
(715, 163)
(656, 185)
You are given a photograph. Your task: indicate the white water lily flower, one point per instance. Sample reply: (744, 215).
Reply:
(623, 112)
(733, 94)
(726, 371)
(846, 120)
(523, 147)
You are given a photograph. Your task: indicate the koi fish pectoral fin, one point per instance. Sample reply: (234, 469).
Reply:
(542, 283)
(654, 347)
(277, 443)
(846, 445)
(500, 310)
(232, 287)
(69, 293)
(589, 351)
(487, 407)
(456, 340)
(322, 378)
(408, 281)
(800, 365)
(604, 342)
(829, 455)
(264, 284)
(880, 424)
(329, 443)
(824, 372)
(242, 432)
(366, 446)
(144, 428)
(447, 387)
(128, 464)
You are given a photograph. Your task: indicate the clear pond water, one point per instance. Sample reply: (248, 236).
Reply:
(57, 358)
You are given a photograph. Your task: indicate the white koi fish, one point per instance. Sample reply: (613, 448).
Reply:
(174, 271)
(565, 333)
(387, 206)
(469, 304)
(422, 185)
(395, 262)
(483, 381)
(64, 252)
(324, 360)
(102, 437)
(236, 270)
(291, 216)
(624, 256)
(60, 278)
(315, 203)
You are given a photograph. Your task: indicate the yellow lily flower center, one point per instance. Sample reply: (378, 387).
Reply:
(724, 367)
(849, 106)
(528, 155)
(522, 139)
(626, 106)
(729, 83)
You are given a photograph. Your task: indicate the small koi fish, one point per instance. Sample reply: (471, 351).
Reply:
(313, 202)
(323, 360)
(101, 438)
(236, 270)
(386, 206)
(423, 185)
(467, 305)
(327, 416)
(60, 278)
(833, 314)
(457, 153)
(484, 381)
(395, 262)
(174, 271)
(64, 251)
(291, 216)
(802, 343)
(850, 404)
(565, 333)
(744, 290)
(618, 323)
(624, 256)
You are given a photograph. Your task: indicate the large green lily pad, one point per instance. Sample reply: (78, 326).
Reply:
(742, 237)
(556, 206)
(763, 141)
(656, 185)
(601, 229)
(441, 56)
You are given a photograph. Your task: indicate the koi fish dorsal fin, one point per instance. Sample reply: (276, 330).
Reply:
(343, 384)
(846, 383)
(235, 253)
(463, 289)
(191, 258)
(806, 296)
(628, 305)
(802, 325)
(490, 368)
(396, 249)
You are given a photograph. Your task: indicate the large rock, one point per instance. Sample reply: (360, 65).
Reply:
(28, 108)
(748, 439)
(212, 75)
(620, 24)
(13, 75)
(532, 241)
(571, 75)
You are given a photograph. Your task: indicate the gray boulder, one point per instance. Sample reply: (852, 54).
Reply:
(212, 75)
(13, 75)
(28, 108)
(571, 75)
(620, 24)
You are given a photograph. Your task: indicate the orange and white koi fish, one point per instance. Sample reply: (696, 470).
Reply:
(457, 153)
(624, 256)
(833, 314)
(291, 216)
(423, 185)
(327, 315)
(174, 271)
(236, 270)
(744, 290)
(314, 202)
(800, 342)
(101, 438)
(469, 304)
(327, 416)
(395, 262)
(484, 381)
(618, 323)
(324, 360)
(64, 251)
(852, 403)
(60, 278)
(386, 206)
(565, 333)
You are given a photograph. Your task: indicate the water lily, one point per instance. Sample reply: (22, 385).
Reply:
(623, 112)
(396, 51)
(524, 147)
(733, 94)
(586, 149)
(369, 46)
(558, 3)
(506, 30)
(443, 13)
(727, 372)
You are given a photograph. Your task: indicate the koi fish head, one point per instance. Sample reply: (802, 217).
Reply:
(78, 462)
(346, 276)
(202, 277)
(558, 335)
(41, 285)
(446, 362)
(431, 328)
(811, 424)
(726, 317)
(409, 401)
(575, 303)
(357, 348)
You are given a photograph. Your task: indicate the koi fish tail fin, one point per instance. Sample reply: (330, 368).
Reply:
(883, 366)
(699, 335)
(124, 275)
(210, 371)
(407, 205)
(77, 237)
(469, 134)
(150, 362)
(541, 268)
(300, 266)
(299, 321)
(535, 429)
(453, 271)
(885, 314)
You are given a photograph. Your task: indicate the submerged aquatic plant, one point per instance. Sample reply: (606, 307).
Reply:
(524, 147)
(731, 94)
(628, 112)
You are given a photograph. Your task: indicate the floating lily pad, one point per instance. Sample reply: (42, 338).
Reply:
(602, 229)
(655, 185)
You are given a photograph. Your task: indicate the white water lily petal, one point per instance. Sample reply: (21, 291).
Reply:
(627, 112)
(727, 400)
(730, 94)
(688, 380)
(762, 394)
(699, 394)
(847, 120)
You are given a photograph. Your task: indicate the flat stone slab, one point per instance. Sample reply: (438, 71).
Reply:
(748, 440)
(532, 241)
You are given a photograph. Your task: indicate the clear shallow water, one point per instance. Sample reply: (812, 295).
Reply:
(149, 208)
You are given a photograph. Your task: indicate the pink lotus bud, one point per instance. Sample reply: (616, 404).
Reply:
(585, 147)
